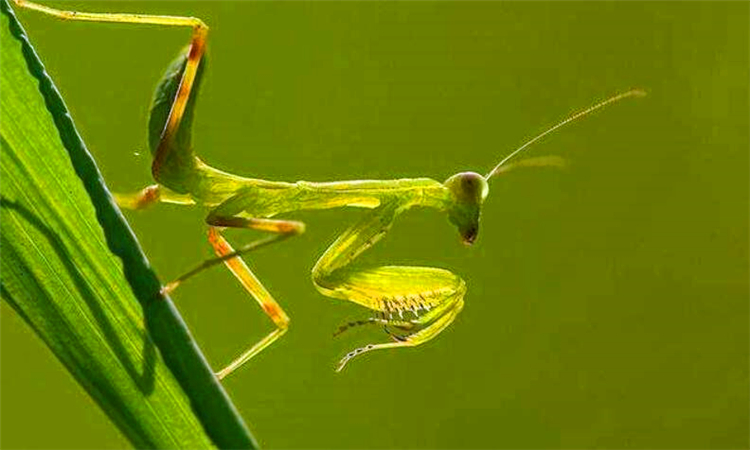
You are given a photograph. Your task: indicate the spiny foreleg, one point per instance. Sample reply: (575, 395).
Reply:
(422, 301)
(423, 335)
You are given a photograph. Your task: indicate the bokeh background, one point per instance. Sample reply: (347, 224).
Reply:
(607, 303)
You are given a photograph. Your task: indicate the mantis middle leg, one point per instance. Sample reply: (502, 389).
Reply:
(422, 301)
(227, 215)
(232, 259)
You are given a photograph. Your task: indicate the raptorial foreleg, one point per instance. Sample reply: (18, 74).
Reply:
(423, 301)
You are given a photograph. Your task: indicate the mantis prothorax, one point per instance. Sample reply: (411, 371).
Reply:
(417, 302)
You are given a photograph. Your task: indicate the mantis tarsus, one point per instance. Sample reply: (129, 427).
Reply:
(414, 304)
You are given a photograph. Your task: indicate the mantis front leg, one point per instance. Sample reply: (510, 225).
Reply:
(422, 301)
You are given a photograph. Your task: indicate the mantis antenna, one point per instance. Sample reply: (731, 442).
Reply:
(578, 115)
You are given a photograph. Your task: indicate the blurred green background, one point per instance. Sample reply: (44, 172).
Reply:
(607, 304)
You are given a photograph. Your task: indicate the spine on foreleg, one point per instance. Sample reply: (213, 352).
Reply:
(178, 171)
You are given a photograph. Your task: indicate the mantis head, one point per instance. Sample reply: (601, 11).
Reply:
(469, 189)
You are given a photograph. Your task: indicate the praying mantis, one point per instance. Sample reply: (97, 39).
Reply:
(412, 304)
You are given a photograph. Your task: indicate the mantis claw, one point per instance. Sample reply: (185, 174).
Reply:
(169, 288)
(349, 356)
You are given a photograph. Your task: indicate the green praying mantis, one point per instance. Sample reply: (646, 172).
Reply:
(413, 304)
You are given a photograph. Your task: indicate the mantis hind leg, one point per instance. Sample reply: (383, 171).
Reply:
(422, 301)
(150, 195)
(187, 80)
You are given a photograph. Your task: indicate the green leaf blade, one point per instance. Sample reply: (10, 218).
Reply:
(72, 269)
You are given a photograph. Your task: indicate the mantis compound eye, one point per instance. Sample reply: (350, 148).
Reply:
(468, 187)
